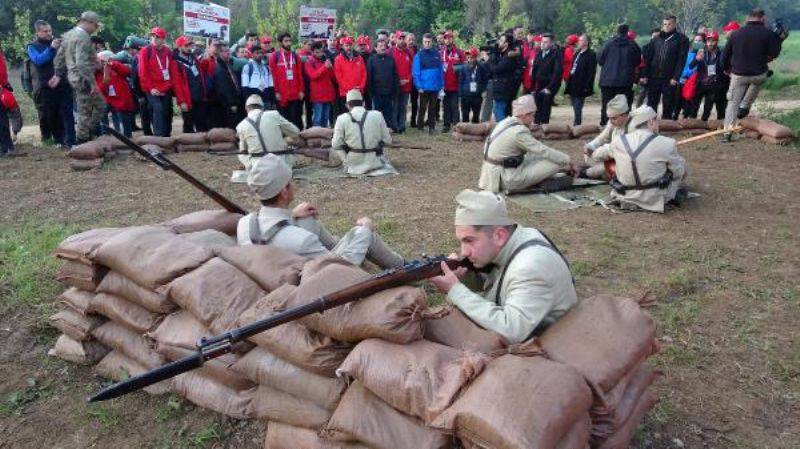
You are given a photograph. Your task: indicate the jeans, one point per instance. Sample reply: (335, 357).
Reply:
(450, 106)
(499, 109)
(427, 103)
(606, 94)
(400, 111)
(321, 114)
(161, 114)
(385, 104)
(5, 132)
(123, 122)
(577, 109)
(473, 105)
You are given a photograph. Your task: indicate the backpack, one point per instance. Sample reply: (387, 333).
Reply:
(25, 76)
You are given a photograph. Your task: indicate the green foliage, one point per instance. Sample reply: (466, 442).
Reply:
(791, 119)
(599, 28)
(17, 401)
(276, 18)
(15, 42)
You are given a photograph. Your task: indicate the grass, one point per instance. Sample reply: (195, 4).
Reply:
(792, 120)
(169, 409)
(17, 401)
(201, 439)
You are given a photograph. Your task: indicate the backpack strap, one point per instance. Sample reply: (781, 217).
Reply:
(256, 124)
(257, 238)
(547, 243)
(634, 154)
(360, 124)
(495, 135)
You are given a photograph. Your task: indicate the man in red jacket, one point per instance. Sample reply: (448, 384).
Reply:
(403, 60)
(111, 79)
(319, 70)
(158, 73)
(451, 57)
(569, 55)
(287, 74)
(350, 69)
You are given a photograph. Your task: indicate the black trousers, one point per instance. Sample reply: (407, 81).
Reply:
(450, 106)
(427, 103)
(293, 111)
(144, 115)
(5, 132)
(414, 104)
(713, 95)
(473, 105)
(660, 90)
(544, 105)
(607, 93)
(198, 119)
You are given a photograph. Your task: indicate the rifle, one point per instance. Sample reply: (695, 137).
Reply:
(213, 347)
(166, 164)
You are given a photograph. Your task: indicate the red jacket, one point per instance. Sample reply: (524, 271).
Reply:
(403, 60)
(451, 57)
(151, 64)
(321, 85)
(280, 63)
(527, 76)
(3, 70)
(116, 91)
(350, 73)
(569, 56)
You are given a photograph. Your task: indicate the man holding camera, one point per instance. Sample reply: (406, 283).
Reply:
(745, 57)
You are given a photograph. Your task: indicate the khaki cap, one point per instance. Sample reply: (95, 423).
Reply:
(617, 106)
(268, 176)
(481, 209)
(254, 100)
(641, 115)
(354, 95)
(523, 105)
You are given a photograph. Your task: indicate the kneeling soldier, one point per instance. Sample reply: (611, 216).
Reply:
(618, 119)
(263, 132)
(358, 139)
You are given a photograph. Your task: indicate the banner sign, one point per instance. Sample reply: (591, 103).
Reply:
(316, 23)
(209, 21)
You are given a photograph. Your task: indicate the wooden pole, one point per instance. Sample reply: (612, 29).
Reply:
(735, 129)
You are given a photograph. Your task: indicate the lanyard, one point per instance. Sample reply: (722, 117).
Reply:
(158, 60)
(291, 60)
(448, 56)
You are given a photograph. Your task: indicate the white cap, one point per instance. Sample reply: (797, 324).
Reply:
(254, 100)
(523, 105)
(354, 95)
(268, 176)
(481, 209)
(617, 106)
(642, 114)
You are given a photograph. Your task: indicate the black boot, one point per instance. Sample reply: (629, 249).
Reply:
(743, 112)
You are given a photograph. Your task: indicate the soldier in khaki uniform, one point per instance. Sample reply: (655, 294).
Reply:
(358, 139)
(260, 133)
(529, 286)
(649, 169)
(77, 56)
(618, 118)
(298, 230)
(513, 160)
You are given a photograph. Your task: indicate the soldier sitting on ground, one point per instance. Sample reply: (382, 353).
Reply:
(529, 286)
(514, 161)
(298, 230)
(618, 118)
(358, 139)
(649, 169)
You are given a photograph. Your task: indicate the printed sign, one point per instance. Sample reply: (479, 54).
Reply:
(209, 21)
(316, 23)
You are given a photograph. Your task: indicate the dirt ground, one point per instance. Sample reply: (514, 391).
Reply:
(724, 269)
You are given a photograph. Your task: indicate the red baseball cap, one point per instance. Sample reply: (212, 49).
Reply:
(182, 41)
(399, 34)
(537, 38)
(158, 32)
(632, 35)
(731, 26)
(266, 40)
(572, 39)
(473, 52)
(362, 40)
(347, 40)
(448, 34)
(713, 35)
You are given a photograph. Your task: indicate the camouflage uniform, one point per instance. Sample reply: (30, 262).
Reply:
(77, 57)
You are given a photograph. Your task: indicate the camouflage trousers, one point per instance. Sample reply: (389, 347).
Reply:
(90, 111)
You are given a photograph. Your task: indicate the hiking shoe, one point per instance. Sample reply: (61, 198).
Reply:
(726, 138)
(743, 112)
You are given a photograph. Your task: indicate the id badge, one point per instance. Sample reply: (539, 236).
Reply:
(712, 70)
(195, 72)
(165, 74)
(289, 74)
(473, 86)
(111, 91)
(444, 66)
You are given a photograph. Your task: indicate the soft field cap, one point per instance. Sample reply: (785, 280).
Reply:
(523, 105)
(254, 100)
(481, 209)
(617, 106)
(354, 95)
(641, 115)
(268, 176)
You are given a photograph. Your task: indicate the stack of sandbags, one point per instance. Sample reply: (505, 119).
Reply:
(222, 139)
(160, 144)
(693, 125)
(585, 130)
(113, 143)
(192, 142)
(669, 126)
(317, 137)
(89, 155)
(769, 131)
(714, 125)
(472, 132)
(203, 220)
(449, 326)
(555, 131)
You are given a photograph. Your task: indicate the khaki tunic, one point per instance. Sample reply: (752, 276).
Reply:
(540, 163)
(345, 132)
(273, 129)
(537, 289)
(661, 154)
(598, 170)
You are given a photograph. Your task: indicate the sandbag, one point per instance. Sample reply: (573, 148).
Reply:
(192, 139)
(275, 405)
(394, 315)
(519, 402)
(75, 325)
(576, 438)
(216, 219)
(538, 134)
(474, 129)
(127, 313)
(313, 142)
(317, 132)
(181, 330)
(751, 134)
(218, 369)
(750, 122)
(118, 367)
(80, 352)
(85, 164)
(284, 436)
(362, 416)
(270, 267)
(294, 342)
(200, 148)
(150, 148)
(221, 135)
(556, 136)
(420, 379)
(622, 438)
(692, 123)
(88, 151)
(295, 141)
(133, 345)
(603, 337)
(77, 300)
(713, 125)
(317, 264)
(266, 369)
(208, 393)
(111, 142)
(79, 247)
(467, 138)
(223, 146)
(216, 294)
(167, 143)
(775, 141)
(774, 130)
(669, 125)
(118, 285)
(151, 256)
(607, 419)
(584, 130)
(211, 239)
(80, 275)
(556, 128)
(449, 326)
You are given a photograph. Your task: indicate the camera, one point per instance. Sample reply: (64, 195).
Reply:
(490, 44)
(780, 29)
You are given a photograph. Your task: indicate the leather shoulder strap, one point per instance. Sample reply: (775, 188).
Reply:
(360, 124)
(494, 136)
(256, 124)
(530, 243)
(263, 239)
(634, 154)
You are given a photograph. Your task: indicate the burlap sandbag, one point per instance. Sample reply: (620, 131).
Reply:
(275, 405)
(76, 325)
(537, 134)
(216, 294)
(313, 142)
(449, 326)
(200, 148)
(192, 139)
(294, 342)
(118, 285)
(713, 125)
(317, 132)
(607, 419)
(752, 134)
(216, 219)
(474, 129)
(223, 146)
(669, 126)
(586, 129)
(127, 313)
(295, 141)
(394, 315)
(775, 141)
(181, 330)
(219, 369)
(151, 148)
(208, 393)
(556, 128)
(133, 345)
(284, 436)
(576, 438)
(270, 267)
(467, 138)
(221, 135)
(556, 136)
(774, 130)
(80, 352)
(622, 438)
(112, 142)
(79, 247)
(117, 366)
(317, 264)
(211, 239)
(85, 164)
(80, 275)
(603, 337)
(266, 369)
(88, 151)
(519, 402)
(692, 123)
(420, 379)
(151, 256)
(167, 143)
(77, 300)
(363, 417)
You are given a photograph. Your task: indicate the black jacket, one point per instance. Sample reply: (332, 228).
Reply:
(749, 49)
(548, 70)
(505, 75)
(468, 74)
(666, 56)
(619, 59)
(382, 76)
(710, 59)
(226, 84)
(581, 80)
(195, 78)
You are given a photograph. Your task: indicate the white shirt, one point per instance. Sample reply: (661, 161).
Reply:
(256, 75)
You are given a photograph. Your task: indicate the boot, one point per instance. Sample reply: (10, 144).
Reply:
(381, 255)
(743, 112)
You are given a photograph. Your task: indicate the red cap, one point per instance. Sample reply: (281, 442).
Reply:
(362, 40)
(399, 34)
(632, 35)
(448, 34)
(473, 52)
(537, 38)
(572, 39)
(731, 26)
(713, 35)
(266, 40)
(158, 32)
(347, 40)
(182, 41)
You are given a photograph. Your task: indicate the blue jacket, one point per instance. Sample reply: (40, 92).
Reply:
(688, 69)
(427, 71)
(465, 74)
